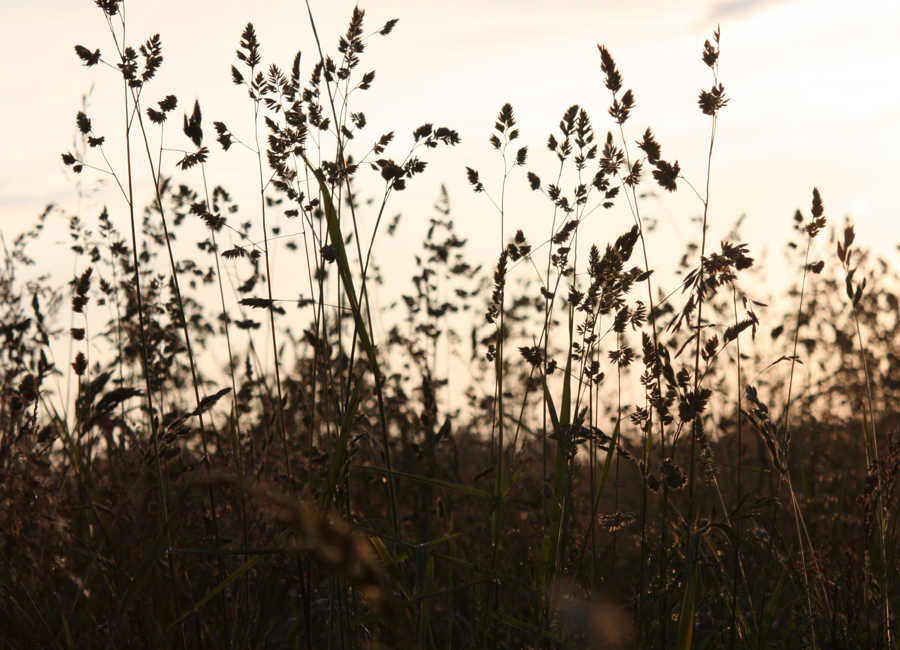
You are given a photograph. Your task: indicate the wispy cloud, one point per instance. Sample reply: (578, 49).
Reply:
(738, 8)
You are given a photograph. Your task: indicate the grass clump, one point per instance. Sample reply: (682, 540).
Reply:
(633, 460)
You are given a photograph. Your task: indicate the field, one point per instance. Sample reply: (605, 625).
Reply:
(564, 447)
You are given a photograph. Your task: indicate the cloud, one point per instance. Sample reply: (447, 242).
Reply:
(737, 8)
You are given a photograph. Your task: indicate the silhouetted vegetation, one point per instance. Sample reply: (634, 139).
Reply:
(552, 450)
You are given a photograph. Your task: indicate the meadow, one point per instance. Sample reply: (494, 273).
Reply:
(562, 447)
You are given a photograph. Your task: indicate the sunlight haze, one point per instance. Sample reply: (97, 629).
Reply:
(812, 103)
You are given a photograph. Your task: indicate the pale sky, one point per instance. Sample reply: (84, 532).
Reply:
(814, 101)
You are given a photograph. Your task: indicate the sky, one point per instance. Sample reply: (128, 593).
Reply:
(812, 83)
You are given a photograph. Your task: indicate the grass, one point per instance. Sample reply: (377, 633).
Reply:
(635, 460)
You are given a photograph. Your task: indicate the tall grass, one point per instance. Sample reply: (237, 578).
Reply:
(611, 474)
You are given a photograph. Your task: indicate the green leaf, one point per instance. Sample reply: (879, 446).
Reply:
(337, 242)
(771, 606)
(458, 487)
(339, 454)
(554, 419)
(234, 575)
(604, 473)
(686, 616)
(390, 562)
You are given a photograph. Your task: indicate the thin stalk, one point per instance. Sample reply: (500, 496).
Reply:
(787, 406)
(700, 296)
(154, 435)
(799, 522)
(548, 312)
(695, 428)
(498, 379)
(636, 213)
(364, 298)
(738, 485)
(195, 381)
(881, 506)
(235, 416)
(262, 202)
